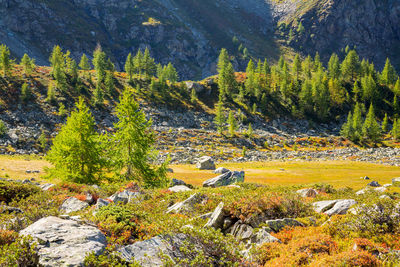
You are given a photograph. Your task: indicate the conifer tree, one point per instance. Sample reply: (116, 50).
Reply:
(25, 92)
(371, 128)
(300, 28)
(369, 89)
(334, 66)
(100, 64)
(388, 75)
(148, 63)
(138, 62)
(84, 65)
(250, 131)
(5, 61)
(171, 73)
(109, 83)
(51, 94)
(347, 128)
(306, 99)
(357, 122)
(385, 124)
(220, 118)
(396, 107)
(98, 96)
(357, 92)
(133, 144)
(396, 89)
(129, 67)
(232, 123)
(396, 129)
(297, 66)
(74, 72)
(226, 75)
(28, 64)
(193, 96)
(250, 83)
(351, 65)
(76, 153)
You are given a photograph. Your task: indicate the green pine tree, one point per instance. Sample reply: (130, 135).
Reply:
(28, 64)
(26, 93)
(5, 62)
(347, 128)
(76, 153)
(232, 123)
(129, 67)
(388, 75)
(220, 118)
(385, 124)
(133, 144)
(371, 129)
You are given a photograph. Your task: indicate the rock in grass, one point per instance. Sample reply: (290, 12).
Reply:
(64, 242)
(396, 181)
(221, 170)
(278, 224)
(179, 188)
(322, 206)
(46, 187)
(374, 184)
(177, 182)
(341, 207)
(124, 196)
(217, 217)
(187, 205)
(73, 204)
(205, 163)
(307, 192)
(225, 179)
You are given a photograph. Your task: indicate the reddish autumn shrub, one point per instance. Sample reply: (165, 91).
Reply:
(349, 258)
(7, 237)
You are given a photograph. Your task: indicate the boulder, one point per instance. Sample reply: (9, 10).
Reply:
(380, 189)
(225, 179)
(205, 163)
(8, 209)
(124, 196)
(64, 242)
(101, 203)
(322, 206)
(179, 188)
(152, 252)
(46, 187)
(374, 184)
(217, 217)
(177, 182)
(187, 205)
(307, 192)
(243, 232)
(396, 181)
(341, 207)
(196, 86)
(278, 224)
(221, 170)
(73, 204)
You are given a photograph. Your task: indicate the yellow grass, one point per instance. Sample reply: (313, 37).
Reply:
(337, 173)
(15, 167)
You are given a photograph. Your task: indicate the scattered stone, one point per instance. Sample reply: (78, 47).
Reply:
(217, 217)
(278, 224)
(242, 231)
(341, 207)
(362, 191)
(64, 242)
(177, 182)
(179, 188)
(221, 170)
(205, 163)
(8, 209)
(374, 184)
(365, 178)
(26, 181)
(151, 252)
(225, 179)
(396, 181)
(380, 189)
(322, 206)
(187, 205)
(73, 204)
(125, 196)
(233, 186)
(89, 198)
(307, 192)
(170, 170)
(46, 187)
(387, 185)
(99, 204)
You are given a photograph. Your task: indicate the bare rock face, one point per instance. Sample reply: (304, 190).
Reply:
(205, 163)
(333, 207)
(64, 242)
(73, 204)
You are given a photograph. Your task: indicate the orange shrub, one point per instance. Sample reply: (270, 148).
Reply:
(7, 237)
(349, 258)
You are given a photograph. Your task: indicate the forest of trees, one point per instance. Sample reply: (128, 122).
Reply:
(296, 86)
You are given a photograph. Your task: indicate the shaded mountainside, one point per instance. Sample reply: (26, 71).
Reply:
(190, 33)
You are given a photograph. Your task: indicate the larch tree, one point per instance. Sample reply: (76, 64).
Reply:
(388, 75)
(371, 128)
(129, 67)
(5, 62)
(76, 153)
(133, 144)
(28, 64)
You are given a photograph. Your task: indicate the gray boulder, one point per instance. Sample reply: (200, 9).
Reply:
(225, 179)
(124, 196)
(221, 170)
(396, 181)
(322, 206)
(64, 242)
(46, 187)
(177, 182)
(374, 184)
(278, 224)
(73, 204)
(186, 206)
(196, 86)
(179, 188)
(151, 252)
(307, 192)
(101, 203)
(205, 163)
(8, 209)
(217, 217)
(341, 207)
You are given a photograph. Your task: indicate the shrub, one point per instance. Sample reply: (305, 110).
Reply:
(7, 237)
(19, 253)
(3, 128)
(349, 258)
(106, 259)
(10, 191)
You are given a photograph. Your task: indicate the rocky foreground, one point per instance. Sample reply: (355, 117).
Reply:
(226, 221)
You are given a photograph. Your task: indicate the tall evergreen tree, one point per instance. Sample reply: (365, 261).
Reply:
(76, 153)
(351, 65)
(388, 75)
(347, 128)
(232, 123)
(385, 124)
(334, 66)
(220, 118)
(297, 66)
(371, 128)
(357, 122)
(129, 67)
(5, 61)
(133, 144)
(85, 65)
(28, 64)
(100, 64)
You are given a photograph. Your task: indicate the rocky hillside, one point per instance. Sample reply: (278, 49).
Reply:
(190, 33)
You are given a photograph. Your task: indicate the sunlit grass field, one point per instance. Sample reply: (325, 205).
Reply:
(337, 173)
